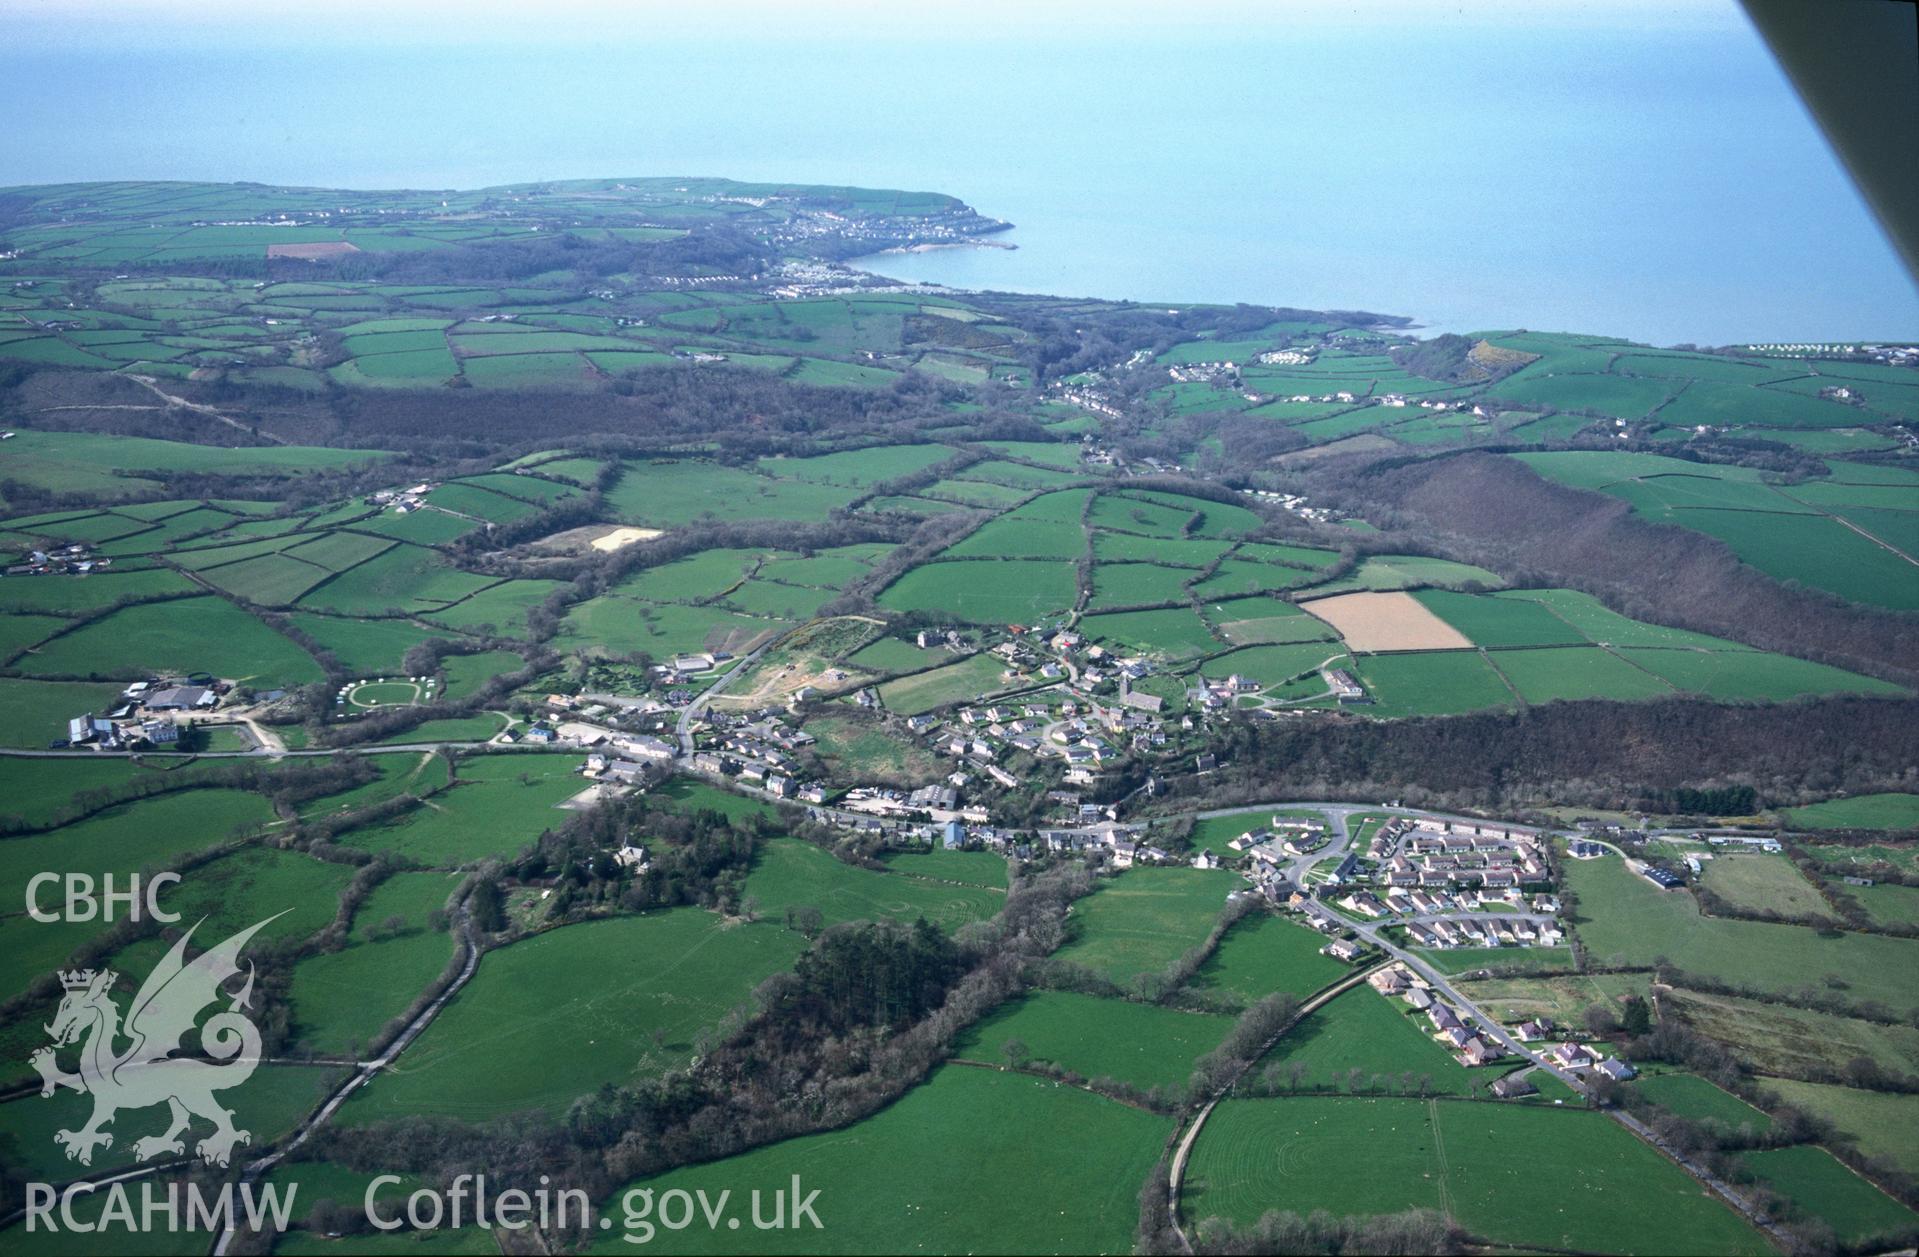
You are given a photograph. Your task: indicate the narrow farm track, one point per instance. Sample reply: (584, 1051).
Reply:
(1184, 1151)
(255, 1170)
(95, 1184)
(1884, 545)
(363, 1070)
(1439, 1150)
(1840, 519)
(201, 408)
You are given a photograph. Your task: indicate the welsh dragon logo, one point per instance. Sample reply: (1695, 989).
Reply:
(148, 1071)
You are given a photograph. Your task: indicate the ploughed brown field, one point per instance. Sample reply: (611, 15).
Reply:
(319, 249)
(1386, 621)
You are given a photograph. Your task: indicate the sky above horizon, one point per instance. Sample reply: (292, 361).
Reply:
(1640, 169)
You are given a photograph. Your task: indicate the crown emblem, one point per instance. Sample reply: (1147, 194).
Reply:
(76, 979)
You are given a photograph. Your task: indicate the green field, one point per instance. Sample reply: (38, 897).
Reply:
(1117, 547)
(893, 654)
(555, 1016)
(1625, 397)
(1561, 997)
(405, 578)
(696, 578)
(271, 1103)
(1406, 571)
(1264, 621)
(973, 677)
(689, 794)
(1493, 622)
(1847, 858)
(1575, 672)
(1266, 953)
(1141, 921)
(971, 868)
(150, 835)
(1814, 550)
(1786, 1040)
(1153, 515)
(779, 600)
(343, 998)
(1515, 1175)
(130, 836)
(1215, 832)
(1238, 576)
(1759, 882)
(886, 1173)
(1789, 531)
(269, 580)
(1382, 1038)
(337, 551)
(1624, 917)
(1015, 537)
(1866, 811)
(365, 647)
(1431, 683)
(826, 569)
(1140, 1044)
(59, 595)
(498, 805)
(1820, 1185)
(1003, 591)
(667, 494)
(37, 791)
(1137, 585)
(34, 713)
(1731, 675)
(1174, 633)
(466, 674)
(862, 751)
(396, 774)
(89, 462)
(1880, 1123)
(1887, 905)
(618, 625)
(1273, 666)
(1692, 1097)
(1607, 627)
(235, 891)
(498, 608)
(793, 874)
(183, 635)
(425, 528)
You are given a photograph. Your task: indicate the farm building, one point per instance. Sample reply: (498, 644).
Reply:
(182, 698)
(89, 728)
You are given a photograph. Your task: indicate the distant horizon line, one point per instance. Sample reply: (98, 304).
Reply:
(1410, 323)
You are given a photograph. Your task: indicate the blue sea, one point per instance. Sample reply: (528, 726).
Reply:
(1644, 172)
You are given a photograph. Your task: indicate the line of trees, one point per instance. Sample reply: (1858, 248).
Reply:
(1595, 753)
